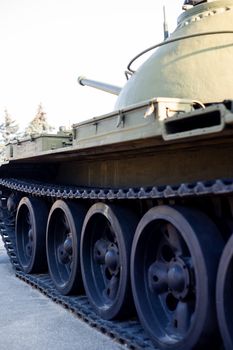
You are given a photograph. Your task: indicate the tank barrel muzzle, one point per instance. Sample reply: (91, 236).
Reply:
(112, 89)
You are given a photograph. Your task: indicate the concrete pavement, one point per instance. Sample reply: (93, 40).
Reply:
(30, 321)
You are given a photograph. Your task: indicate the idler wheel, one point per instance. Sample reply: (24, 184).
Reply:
(224, 295)
(31, 220)
(174, 259)
(63, 245)
(105, 256)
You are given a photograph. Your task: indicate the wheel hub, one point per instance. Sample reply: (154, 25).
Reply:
(30, 234)
(100, 249)
(29, 250)
(178, 278)
(173, 277)
(63, 256)
(68, 245)
(112, 259)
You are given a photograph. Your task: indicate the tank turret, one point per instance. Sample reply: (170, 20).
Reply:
(192, 62)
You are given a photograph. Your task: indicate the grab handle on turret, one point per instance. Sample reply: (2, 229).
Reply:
(112, 89)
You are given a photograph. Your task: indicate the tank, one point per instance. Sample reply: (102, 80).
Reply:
(128, 221)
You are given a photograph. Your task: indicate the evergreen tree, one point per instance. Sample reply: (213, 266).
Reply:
(8, 131)
(8, 128)
(39, 124)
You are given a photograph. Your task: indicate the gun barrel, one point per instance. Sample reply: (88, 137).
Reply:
(112, 89)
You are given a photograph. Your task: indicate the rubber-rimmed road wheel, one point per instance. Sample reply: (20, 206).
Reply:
(63, 245)
(174, 260)
(224, 295)
(31, 220)
(105, 257)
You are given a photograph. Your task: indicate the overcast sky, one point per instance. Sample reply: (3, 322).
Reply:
(47, 44)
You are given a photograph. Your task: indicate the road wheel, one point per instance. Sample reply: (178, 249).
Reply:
(175, 255)
(224, 295)
(105, 257)
(63, 245)
(31, 219)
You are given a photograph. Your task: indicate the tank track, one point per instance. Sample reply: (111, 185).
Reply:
(125, 332)
(199, 188)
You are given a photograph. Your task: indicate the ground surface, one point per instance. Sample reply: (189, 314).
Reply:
(29, 320)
